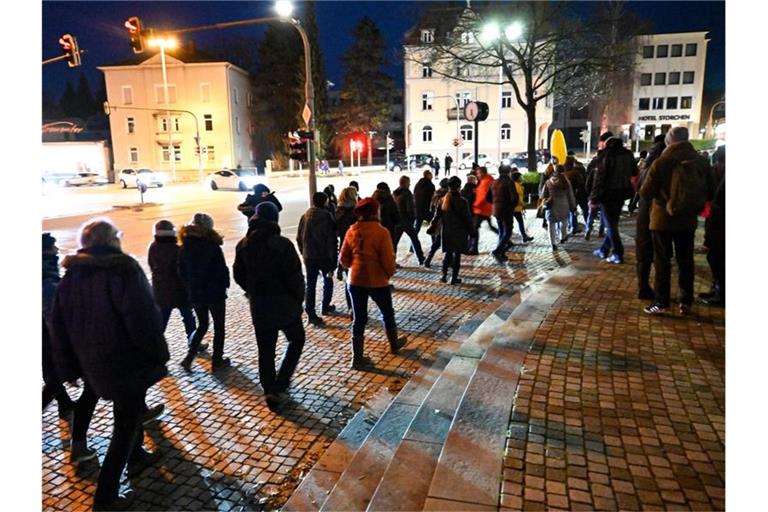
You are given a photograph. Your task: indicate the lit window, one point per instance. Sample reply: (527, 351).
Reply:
(205, 93)
(674, 77)
(645, 104)
(660, 79)
(662, 51)
(208, 120)
(677, 50)
(506, 132)
(131, 122)
(647, 52)
(426, 134)
(686, 102)
(426, 100)
(646, 78)
(134, 154)
(687, 77)
(690, 50)
(672, 103)
(466, 132)
(506, 99)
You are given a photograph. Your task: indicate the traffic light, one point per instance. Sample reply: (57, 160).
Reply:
(456, 142)
(71, 50)
(133, 24)
(584, 135)
(298, 144)
(390, 142)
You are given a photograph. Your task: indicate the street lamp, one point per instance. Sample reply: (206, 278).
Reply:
(163, 43)
(514, 31)
(284, 8)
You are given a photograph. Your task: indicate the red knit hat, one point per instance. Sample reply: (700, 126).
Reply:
(368, 207)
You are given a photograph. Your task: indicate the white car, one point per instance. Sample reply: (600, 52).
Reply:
(131, 178)
(483, 160)
(85, 178)
(234, 179)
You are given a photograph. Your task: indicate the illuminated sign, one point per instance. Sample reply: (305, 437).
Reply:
(666, 117)
(62, 127)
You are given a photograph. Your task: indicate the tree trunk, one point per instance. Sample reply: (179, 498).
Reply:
(370, 152)
(530, 113)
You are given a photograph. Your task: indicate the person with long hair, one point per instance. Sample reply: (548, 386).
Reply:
(559, 201)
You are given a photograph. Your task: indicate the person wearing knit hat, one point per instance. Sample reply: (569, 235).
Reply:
(368, 253)
(267, 211)
(676, 134)
(457, 229)
(204, 271)
(316, 239)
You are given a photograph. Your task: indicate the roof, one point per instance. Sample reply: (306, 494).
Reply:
(185, 55)
(441, 19)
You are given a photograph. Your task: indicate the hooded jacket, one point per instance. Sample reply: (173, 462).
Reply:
(558, 197)
(248, 207)
(368, 254)
(344, 219)
(481, 206)
(202, 265)
(316, 237)
(422, 197)
(268, 268)
(612, 178)
(167, 285)
(502, 196)
(657, 184)
(106, 326)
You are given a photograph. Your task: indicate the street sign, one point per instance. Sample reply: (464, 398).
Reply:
(306, 114)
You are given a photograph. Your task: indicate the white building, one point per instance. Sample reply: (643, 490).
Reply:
(216, 92)
(669, 84)
(430, 101)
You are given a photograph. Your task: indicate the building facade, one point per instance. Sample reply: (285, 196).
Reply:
(216, 96)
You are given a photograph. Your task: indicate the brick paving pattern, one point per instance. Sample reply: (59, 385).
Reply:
(223, 449)
(618, 410)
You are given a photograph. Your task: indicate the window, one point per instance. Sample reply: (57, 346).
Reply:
(133, 155)
(176, 152)
(690, 50)
(645, 104)
(174, 124)
(687, 77)
(506, 132)
(660, 79)
(237, 125)
(647, 52)
(127, 95)
(463, 98)
(674, 77)
(131, 122)
(506, 99)
(658, 103)
(426, 71)
(686, 102)
(208, 121)
(677, 50)
(662, 51)
(466, 37)
(645, 78)
(466, 132)
(427, 36)
(211, 153)
(160, 93)
(672, 103)
(426, 134)
(205, 93)
(236, 95)
(426, 100)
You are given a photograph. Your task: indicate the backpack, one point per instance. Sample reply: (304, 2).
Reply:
(687, 189)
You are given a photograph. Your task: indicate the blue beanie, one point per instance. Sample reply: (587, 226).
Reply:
(266, 211)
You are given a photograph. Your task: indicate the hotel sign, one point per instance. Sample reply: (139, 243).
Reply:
(666, 117)
(62, 127)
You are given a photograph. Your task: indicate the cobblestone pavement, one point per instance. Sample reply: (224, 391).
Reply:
(223, 449)
(618, 410)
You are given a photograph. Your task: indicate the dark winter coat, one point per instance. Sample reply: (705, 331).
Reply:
(502, 191)
(390, 217)
(577, 179)
(202, 265)
(455, 223)
(406, 207)
(248, 207)
(468, 193)
(106, 327)
(657, 184)
(268, 268)
(612, 178)
(316, 237)
(422, 197)
(167, 285)
(591, 168)
(448, 162)
(51, 280)
(344, 219)
(714, 229)
(558, 197)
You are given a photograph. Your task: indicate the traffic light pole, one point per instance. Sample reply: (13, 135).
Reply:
(60, 57)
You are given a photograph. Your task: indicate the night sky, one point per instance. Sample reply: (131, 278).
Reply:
(98, 27)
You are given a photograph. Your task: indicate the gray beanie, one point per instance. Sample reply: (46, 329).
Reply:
(676, 134)
(203, 219)
(165, 228)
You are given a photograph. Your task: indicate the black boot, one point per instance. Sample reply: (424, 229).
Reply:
(395, 342)
(359, 361)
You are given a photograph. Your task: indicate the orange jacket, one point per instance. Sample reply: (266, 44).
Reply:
(481, 206)
(368, 254)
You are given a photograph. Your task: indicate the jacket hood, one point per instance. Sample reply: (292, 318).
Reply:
(261, 229)
(99, 258)
(680, 151)
(200, 232)
(613, 144)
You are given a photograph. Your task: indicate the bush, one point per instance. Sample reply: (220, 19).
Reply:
(531, 178)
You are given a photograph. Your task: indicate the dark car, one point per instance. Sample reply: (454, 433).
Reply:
(419, 161)
(397, 162)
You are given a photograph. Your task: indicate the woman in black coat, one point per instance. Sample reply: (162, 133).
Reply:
(204, 270)
(390, 217)
(456, 228)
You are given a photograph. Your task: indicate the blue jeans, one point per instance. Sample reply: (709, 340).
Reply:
(313, 269)
(593, 214)
(573, 217)
(611, 212)
(505, 233)
(383, 299)
(187, 316)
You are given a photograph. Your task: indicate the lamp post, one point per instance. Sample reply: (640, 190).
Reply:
(164, 43)
(711, 113)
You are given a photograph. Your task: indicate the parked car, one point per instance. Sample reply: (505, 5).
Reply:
(85, 178)
(234, 179)
(131, 178)
(420, 162)
(397, 162)
(482, 160)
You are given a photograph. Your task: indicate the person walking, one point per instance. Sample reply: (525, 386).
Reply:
(594, 209)
(456, 227)
(559, 201)
(108, 330)
(577, 178)
(448, 162)
(435, 228)
(714, 234)
(261, 193)
(316, 238)
(612, 186)
(678, 184)
(643, 236)
(268, 269)
(340, 167)
(167, 286)
(406, 208)
(368, 254)
(345, 217)
(436, 165)
(205, 273)
(502, 192)
(518, 200)
(330, 192)
(482, 208)
(388, 212)
(422, 197)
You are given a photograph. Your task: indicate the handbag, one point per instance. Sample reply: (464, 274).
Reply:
(540, 208)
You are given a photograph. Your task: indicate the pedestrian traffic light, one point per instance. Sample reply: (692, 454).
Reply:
(71, 50)
(297, 142)
(133, 24)
(584, 135)
(390, 142)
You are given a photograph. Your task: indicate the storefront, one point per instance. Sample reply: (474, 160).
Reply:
(69, 147)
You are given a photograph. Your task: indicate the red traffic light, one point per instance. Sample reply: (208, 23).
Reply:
(71, 50)
(133, 24)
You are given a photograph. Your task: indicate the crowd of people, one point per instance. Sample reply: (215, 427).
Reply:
(104, 323)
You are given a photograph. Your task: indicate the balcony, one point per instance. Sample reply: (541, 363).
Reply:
(451, 113)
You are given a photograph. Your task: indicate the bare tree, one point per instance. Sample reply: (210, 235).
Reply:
(540, 49)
